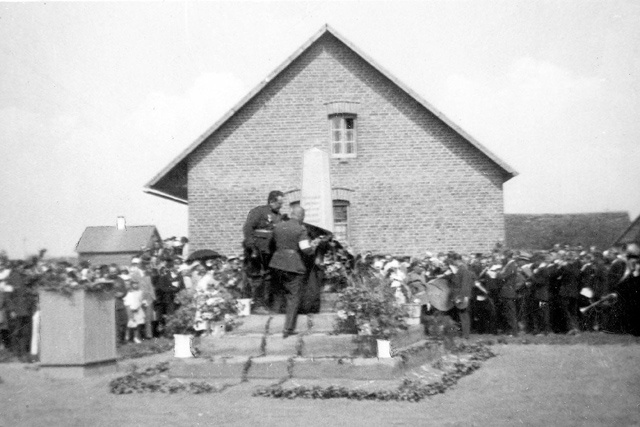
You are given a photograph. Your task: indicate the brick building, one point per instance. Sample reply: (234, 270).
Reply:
(405, 178)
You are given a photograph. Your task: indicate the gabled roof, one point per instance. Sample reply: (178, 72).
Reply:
(167, 183)
(630, 235)
(103, 239)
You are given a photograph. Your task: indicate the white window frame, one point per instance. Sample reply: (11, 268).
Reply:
(343, 133)
(343, 203)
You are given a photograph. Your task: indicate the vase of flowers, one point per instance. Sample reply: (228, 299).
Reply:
(181, 325)
(369, 303)
(216, 306)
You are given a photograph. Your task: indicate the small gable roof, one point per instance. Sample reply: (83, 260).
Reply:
(171, 182)
(108, 239)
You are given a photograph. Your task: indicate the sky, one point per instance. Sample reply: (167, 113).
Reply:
(97, 98)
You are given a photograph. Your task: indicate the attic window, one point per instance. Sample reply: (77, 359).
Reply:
(342, 128)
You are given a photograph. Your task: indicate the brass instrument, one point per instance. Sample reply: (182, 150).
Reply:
(611, 296)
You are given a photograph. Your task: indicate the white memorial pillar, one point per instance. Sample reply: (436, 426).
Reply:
(315, 195)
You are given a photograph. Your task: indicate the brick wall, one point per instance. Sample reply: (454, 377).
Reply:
(415, 185)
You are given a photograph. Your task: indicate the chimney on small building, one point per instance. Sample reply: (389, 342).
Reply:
(121, 223)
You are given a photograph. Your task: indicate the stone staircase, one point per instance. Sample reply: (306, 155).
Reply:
(256, 349)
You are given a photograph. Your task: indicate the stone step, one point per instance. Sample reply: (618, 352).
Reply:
(230, 345)
(284, 366)
(257, 324)
(313, 340)
(348, 368)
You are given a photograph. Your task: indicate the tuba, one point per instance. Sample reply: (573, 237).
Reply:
(610, 297)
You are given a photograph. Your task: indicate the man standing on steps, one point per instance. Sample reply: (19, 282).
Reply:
(291, 243)
(258, 230)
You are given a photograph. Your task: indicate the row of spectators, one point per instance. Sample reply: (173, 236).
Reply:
(562, 290)
(144, 291)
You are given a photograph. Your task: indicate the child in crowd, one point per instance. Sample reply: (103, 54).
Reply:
(135, 306)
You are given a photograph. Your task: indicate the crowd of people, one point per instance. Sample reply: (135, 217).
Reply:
(144, 290)
(561, 290)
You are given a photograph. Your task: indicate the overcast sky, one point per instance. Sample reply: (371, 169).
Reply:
(95, 98)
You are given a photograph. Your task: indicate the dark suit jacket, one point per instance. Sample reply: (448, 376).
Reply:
(508, 275)
(615, 274)
(462, 282)
(569, 280)
(258, 226)
(287, 236)
(22, 300)
(540, 283)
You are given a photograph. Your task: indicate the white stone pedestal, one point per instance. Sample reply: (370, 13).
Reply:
(77, 333)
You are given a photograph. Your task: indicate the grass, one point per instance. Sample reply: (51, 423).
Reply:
(145, 348)
(125, 351)
(587, 338)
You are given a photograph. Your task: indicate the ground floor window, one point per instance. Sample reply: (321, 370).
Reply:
(340, 219)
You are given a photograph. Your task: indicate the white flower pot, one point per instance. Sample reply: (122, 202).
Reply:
(244, 306)
(384, 349)
(183, 346)
(218, 329)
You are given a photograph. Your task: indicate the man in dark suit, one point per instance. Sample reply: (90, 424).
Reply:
(540, 287)
(20, 307)
(569, 291)
(461, 281)
(258, 232)
(291, 244)
(508, 276)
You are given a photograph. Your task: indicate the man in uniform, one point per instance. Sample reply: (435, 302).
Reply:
(291, 243)
(258, 230)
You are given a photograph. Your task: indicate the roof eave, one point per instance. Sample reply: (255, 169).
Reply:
(164, 195)
(509, 171)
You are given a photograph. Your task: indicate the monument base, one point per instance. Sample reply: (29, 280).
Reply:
(80, 371)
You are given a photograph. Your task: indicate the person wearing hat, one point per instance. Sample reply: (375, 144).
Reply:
(593, 280)
(462, 280)
(119, 290)
(20, 304)
(258, 231)
(140, 274)
(540, 294)
(134, 304)
(507, 277)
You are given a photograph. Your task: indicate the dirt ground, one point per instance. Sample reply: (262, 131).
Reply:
(546, 385)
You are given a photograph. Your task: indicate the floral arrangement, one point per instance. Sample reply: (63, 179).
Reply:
(182, 321)
(153, 380)
(369, 306)
(66, 281)
(215, 305)
(411, 389)
(199, 306)
(230, 279)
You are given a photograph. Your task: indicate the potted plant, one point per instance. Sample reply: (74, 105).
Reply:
(182, 324)
(217, 307)
(369, 306)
